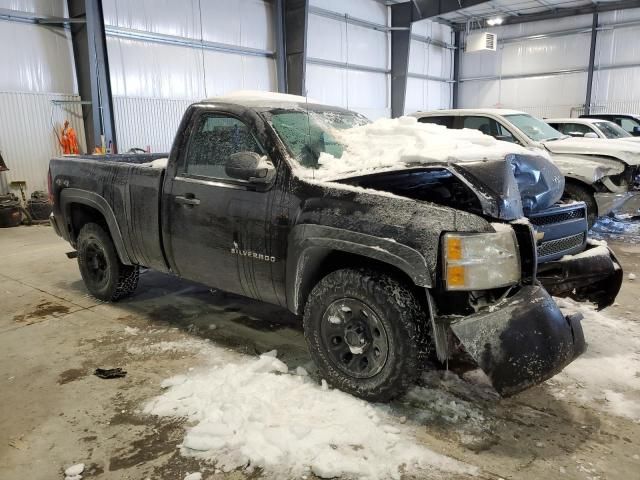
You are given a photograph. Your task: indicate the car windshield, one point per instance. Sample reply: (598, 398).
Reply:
(611, 130)
(534, 128)
(308, 133)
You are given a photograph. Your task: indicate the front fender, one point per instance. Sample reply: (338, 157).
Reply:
(310, 244)
(588, 169)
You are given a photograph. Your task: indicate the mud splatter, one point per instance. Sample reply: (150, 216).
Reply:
(40, 312)
(71, 375)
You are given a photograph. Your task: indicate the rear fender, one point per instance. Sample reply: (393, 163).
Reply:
(70, 196)
(309, 245)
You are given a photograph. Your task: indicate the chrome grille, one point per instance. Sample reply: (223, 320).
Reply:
(559, 245)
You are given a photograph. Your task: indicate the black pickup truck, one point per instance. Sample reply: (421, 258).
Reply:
(392, 271)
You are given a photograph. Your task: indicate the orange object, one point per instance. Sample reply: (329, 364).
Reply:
(69, 140)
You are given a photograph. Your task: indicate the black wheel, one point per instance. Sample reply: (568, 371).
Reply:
(104, 275)
(579, 193)
(366, 333)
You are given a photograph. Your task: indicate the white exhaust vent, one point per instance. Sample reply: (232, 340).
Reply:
(481, 41)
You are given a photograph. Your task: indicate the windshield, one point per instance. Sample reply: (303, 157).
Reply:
(307, 134)
(611, 130)
(534, 128)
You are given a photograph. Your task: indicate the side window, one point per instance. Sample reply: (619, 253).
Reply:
(443, 120)
(484, 124)
(574, 129)
(626, 123)
(504, 134)
(214, 140)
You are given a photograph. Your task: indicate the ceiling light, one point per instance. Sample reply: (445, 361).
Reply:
(494, 21)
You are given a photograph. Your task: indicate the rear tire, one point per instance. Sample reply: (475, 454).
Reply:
(366, 332)
(579, 193)
(104, 275)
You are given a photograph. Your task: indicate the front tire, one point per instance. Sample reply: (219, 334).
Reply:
(104, 275)
(366, 332)
(580, 193)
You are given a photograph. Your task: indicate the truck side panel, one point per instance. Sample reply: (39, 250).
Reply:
(131, 191)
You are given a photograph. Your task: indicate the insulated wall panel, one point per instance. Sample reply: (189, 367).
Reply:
(364, 92)
(136, 130)
(54, 8)
(426, 95)
(27, 138)
(42, 63)
(356, 48)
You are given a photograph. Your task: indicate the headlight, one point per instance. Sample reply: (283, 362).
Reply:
(480, 261)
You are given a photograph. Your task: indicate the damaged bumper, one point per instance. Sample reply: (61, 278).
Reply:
(625, 204)
(523, 342)
(593, 275)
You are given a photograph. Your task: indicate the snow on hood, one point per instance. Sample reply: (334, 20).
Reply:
(627, 152)
(389, 144)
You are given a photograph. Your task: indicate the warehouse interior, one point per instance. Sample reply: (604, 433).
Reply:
(120, 74)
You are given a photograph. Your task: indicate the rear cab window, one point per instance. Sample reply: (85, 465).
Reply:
(444, 120)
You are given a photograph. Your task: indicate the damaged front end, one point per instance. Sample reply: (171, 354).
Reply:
(593, 275)
(522, 341)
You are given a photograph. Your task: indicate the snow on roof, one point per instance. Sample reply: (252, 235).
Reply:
(391, 144)
(469, 111)
(253, 97)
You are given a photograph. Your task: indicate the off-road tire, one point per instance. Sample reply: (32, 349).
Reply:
(399, 312)
(118, 280)
(573, 191)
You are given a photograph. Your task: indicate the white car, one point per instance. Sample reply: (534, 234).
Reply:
(604, 175)
(591, 128)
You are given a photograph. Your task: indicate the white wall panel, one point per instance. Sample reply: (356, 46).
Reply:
(619, 86)
(326, 39)
(54, 8)
(428, 59)
(27, 139)
(618, 16)
(226, 72)
(168, 17)
(133, 117)
(43, 62)
(363, 92)
(545, 96)
(148, 69)
(434, 30)
(545, 55)
(248, 23)
(426, 95)
(369, 10)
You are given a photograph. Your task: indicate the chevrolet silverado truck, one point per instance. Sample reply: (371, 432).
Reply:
(604, 175)
(391, 270)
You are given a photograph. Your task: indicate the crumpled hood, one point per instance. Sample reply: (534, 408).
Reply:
(627, 152)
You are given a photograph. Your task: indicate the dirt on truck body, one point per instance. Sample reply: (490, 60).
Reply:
(416, 258)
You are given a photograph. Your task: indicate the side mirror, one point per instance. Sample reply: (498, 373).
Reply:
(250, 167)
(576, 134)
(591, 135)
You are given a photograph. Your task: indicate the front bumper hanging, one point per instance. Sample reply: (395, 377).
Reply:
(593, 275)
(523, 342)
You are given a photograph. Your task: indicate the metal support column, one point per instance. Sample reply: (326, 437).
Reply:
(456, 69)
(281, 62)
(592, 58)
(401, 17)
(92, 72)
(296, 16)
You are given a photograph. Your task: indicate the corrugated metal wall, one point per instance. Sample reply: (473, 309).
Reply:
(158, 63)
(546, 75)
(27, 139)
(37, 67)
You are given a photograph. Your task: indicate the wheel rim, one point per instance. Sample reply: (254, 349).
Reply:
(354, 338)
(96, 262)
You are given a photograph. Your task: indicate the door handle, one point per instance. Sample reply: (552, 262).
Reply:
(188, 199)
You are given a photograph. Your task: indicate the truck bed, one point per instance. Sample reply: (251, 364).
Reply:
(132, 190)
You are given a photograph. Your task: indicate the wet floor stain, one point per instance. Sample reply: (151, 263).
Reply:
(41, 312)
(71, 375)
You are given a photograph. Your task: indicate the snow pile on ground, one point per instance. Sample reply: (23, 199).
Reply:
(394, 143)
(74, 472)
(191, 345)
(607, 375)
(255, 413)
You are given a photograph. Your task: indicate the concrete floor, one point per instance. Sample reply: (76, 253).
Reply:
(54, 412)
